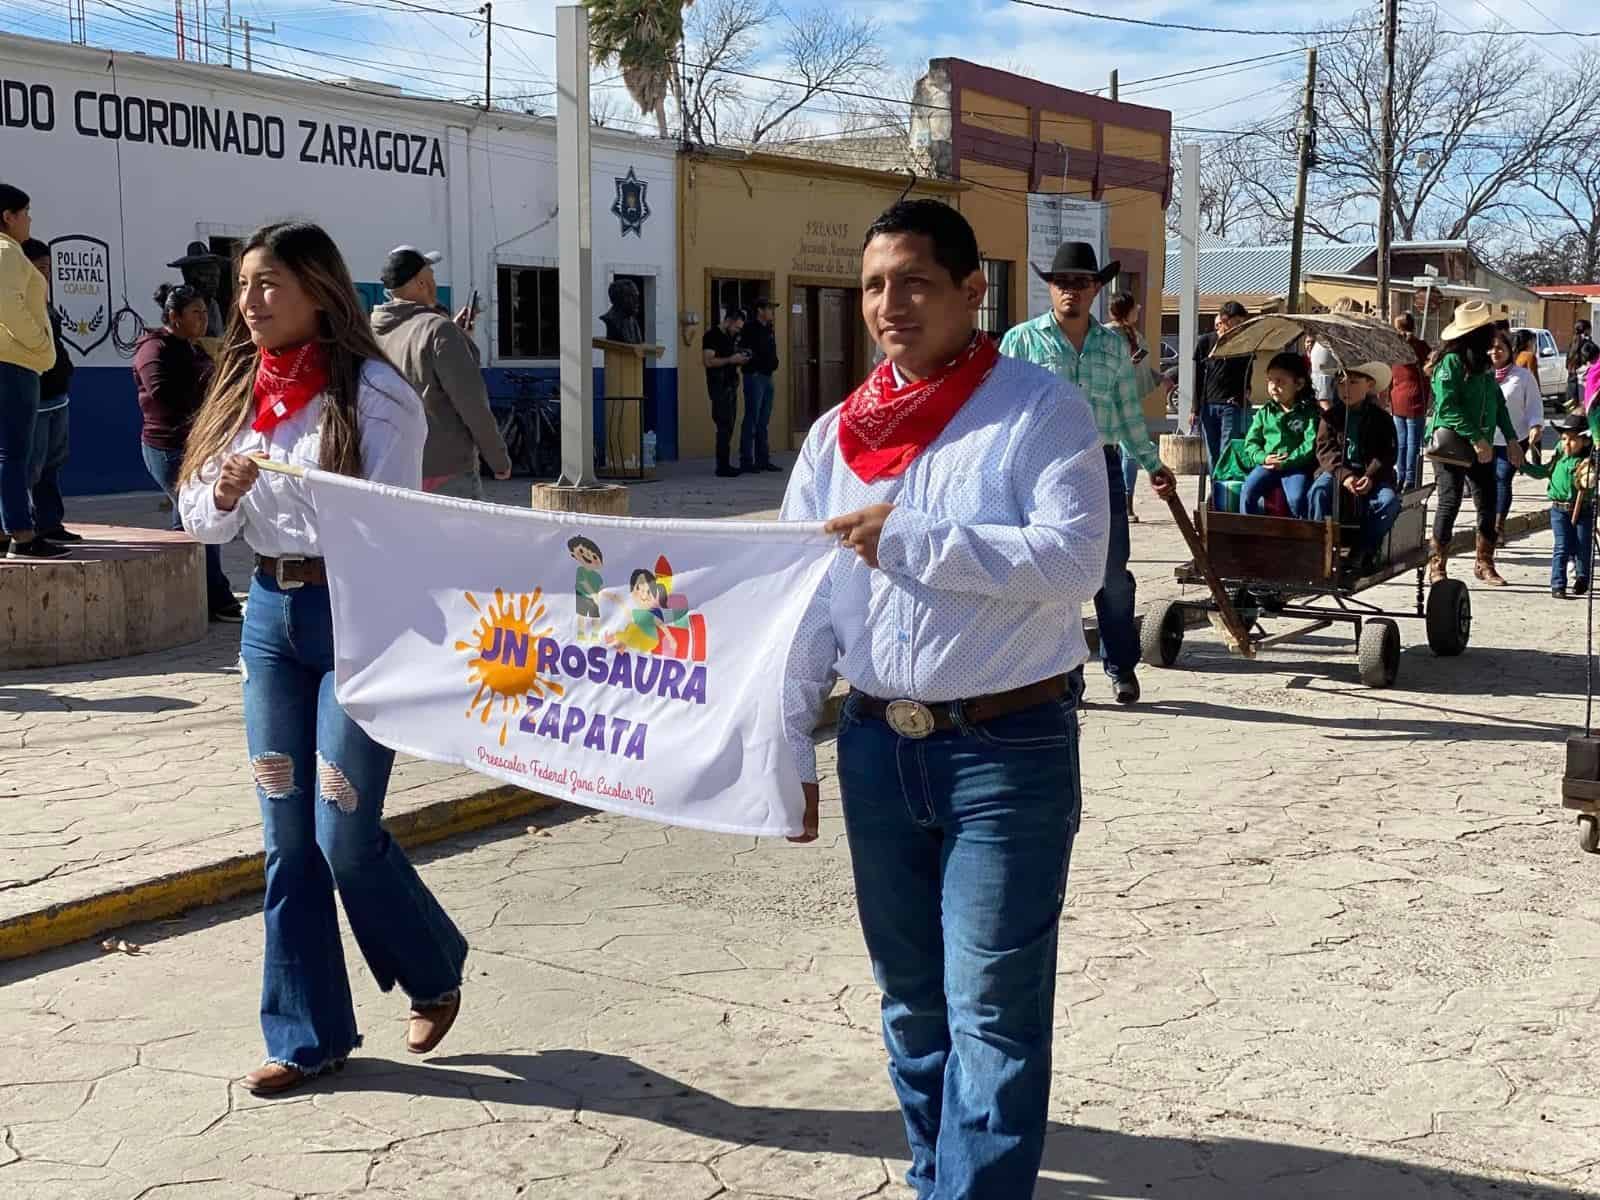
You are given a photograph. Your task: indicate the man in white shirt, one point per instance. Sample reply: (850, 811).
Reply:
(970, 491)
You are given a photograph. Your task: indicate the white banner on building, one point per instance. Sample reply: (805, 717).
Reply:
(635, 666)
(1053, 219)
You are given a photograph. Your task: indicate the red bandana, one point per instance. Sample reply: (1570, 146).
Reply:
(287, 381)
(884, 426)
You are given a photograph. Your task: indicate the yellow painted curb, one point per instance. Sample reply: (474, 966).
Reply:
(212, 883)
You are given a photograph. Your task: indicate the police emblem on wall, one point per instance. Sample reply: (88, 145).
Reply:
(80, 290)
(631, 206)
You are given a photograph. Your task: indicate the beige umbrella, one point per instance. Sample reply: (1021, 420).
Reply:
(1353, 340)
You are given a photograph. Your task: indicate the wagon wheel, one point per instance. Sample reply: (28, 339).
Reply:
(1161, 634)
(1589, 833)
(1449, 617)
(1378, 652)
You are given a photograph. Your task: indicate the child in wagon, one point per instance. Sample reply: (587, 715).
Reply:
(1357, 449)
(1280, 448)
(1571, 491)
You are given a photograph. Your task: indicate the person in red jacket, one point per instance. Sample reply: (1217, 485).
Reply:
(1408, 403)
(172, 373)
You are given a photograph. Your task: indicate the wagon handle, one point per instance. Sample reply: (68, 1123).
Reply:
(1230, 616)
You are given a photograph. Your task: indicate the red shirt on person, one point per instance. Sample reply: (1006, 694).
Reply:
(1408, 394)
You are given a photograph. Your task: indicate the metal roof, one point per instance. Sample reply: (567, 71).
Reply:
(1265, 269)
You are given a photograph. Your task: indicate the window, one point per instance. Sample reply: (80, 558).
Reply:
(647, 302)
(528, 312)
(1547, 344)
(995, 315)
(728, 295)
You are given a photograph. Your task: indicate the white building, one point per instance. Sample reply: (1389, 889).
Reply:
(130, 158)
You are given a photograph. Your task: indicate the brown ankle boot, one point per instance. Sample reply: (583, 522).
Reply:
(1499, 530)
(1438, 552)
(1484, 569)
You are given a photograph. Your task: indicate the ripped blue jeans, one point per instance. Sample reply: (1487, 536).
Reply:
(321, 782)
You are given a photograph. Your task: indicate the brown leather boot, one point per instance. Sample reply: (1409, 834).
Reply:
(429, 1025)
(1438, 552)
(1499, 530)
(1484, 569)
(274, 1079)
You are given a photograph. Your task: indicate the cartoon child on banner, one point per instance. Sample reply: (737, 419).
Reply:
(587, 588)
(659, 622)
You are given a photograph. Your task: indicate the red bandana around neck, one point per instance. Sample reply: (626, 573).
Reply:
(287, 381)
(885, 425)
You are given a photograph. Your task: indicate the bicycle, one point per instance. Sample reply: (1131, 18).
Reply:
(529, 421)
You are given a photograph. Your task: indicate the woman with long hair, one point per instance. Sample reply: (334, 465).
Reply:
(301, 381)
(1525, 351)
(1525, 404)
(27, 350)
(1125, 313)
(1467, 409)
(170, 372)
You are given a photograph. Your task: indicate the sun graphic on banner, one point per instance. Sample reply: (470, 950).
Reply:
(504, 649)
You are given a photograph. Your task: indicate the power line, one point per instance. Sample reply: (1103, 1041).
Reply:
(1298, 33)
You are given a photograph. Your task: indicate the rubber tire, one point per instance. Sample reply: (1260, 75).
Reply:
(1449, 617)
(1589, 834)
(1161, 634)
(1378, 652)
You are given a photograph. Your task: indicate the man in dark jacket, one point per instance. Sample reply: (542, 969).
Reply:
(439, 359)
(1357, 449)
(1223, 385)
(50, 434)
(761, 342)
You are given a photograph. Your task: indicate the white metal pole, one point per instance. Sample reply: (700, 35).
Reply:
(577, 241)
(1189, 298)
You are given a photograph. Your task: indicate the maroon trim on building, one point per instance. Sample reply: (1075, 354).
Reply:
(1036, 159)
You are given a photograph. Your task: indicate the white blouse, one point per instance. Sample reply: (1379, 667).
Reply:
(1523, 402)
(276, 515)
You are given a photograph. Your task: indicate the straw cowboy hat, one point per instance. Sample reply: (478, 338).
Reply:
(1474, 314)
(1378, 372)
(1078, 258)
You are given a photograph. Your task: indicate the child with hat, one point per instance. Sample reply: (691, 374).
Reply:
(1571, 491)
(1357, 449)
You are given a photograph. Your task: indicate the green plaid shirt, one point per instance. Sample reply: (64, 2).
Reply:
(1104, 374)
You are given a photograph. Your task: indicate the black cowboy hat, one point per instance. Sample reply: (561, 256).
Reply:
(198, 254)
(1571, 423)
(1078, 258)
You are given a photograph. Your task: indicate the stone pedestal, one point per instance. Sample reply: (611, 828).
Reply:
(606, 500)
(122, 591)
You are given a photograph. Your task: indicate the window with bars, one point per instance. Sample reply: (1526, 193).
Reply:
(528, 312)
(995, 314)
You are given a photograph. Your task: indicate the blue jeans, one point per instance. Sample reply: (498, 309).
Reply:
(960, 844)
(1130, 474)
(1573, 540)
(1378, 510)
(753, 448)
(1220, 423)
(1114, 602)
(1263, 481)
(163, 466)
(1504, 473)
(1408, 432)
(19, 408)
(51, 439)
(321, 782)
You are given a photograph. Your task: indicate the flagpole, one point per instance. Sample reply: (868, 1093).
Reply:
(266, 464)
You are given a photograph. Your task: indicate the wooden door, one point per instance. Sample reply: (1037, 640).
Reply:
(836, 372)
(802, 359)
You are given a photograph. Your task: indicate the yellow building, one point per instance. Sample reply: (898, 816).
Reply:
(755, 226)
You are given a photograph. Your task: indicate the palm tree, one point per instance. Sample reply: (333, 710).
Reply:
(642, 37)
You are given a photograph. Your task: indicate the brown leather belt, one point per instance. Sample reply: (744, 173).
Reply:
(291, 573)
(911, 718)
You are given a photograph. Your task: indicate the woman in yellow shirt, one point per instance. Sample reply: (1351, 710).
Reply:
(27, 350)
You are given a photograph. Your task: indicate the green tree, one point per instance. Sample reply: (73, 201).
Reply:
(642, 37)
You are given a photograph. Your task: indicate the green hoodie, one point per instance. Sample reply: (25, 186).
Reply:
(1560, 471)
(1471, 405)
(1291, 432)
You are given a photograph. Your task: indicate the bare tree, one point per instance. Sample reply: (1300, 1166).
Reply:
(722, 39)
(823, 52)
(1241, 184)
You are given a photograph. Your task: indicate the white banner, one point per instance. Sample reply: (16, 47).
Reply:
(635, 666)
(1053, 219)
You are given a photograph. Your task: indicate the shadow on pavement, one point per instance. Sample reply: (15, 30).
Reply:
(1080, 1162)
(25, 700)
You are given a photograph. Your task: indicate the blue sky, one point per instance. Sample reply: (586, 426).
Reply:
(441, 55)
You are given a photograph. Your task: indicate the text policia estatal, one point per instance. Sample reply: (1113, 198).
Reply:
(185, 126)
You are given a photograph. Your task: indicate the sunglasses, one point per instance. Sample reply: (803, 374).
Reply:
(1075, 283)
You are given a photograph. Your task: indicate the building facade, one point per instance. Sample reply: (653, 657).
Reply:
(129, 159)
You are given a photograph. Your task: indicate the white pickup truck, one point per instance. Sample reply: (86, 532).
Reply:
(1552, 370)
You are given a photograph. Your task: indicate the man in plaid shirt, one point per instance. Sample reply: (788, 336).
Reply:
(1068, 341)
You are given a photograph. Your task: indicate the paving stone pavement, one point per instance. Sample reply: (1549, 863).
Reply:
(1320, 942)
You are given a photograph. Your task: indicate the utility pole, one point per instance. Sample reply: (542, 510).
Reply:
(1113, 86)
(246, 25)
(488, 51)
(1391, 23)
(574, 184)
(1308, 149)
(227, 23)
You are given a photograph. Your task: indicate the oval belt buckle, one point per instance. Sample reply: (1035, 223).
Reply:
(909, 718)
